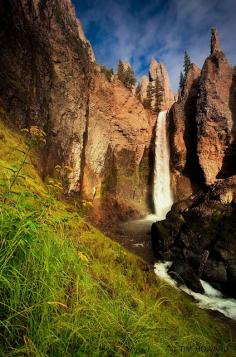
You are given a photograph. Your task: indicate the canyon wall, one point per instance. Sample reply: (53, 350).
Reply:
(97, 127)
(202, 125)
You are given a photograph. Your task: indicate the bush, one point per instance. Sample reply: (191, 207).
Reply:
(108, 72)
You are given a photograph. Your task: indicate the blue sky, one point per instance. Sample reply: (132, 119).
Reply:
(136, 31)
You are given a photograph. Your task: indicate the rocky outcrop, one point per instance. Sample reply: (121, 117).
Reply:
(117, 153)
(45, 75)
(94, 125)
(199, 235)
(143, 87)
(215, 117)
(185, 172)
(157, 70)
(202, 125)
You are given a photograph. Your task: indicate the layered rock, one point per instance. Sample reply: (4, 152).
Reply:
(117, 152)
(144, 81)
(202, 125)
(216, 115)
(157, 70)
(96, 127)
(185, 171)
(45, 71)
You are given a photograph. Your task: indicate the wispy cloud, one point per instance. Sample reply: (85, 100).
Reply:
(136, 31)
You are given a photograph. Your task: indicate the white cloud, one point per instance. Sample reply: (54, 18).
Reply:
(163, 33)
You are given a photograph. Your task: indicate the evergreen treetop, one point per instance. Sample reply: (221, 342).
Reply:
(187, 64)
(126, 75)
(159, 93)
(181, 80)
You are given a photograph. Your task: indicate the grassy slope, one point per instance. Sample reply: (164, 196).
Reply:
(67, 290)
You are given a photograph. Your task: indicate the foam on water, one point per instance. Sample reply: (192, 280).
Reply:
(211, 300)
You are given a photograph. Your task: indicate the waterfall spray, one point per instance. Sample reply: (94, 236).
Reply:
(162, 194)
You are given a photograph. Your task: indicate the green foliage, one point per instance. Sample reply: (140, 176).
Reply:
(187, 64)
(108, 72)
(126, 75)
(186, 67)
(67, 290)
(158, 95)
(150, 96)
(213, 30)
(34, 136)
(181, 81)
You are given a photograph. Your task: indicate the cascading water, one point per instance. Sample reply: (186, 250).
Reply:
(162, 194)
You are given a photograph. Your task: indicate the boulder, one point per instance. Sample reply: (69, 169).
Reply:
(215, 271)
(184, 274)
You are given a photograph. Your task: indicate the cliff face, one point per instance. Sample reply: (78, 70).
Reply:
(183, 145)
(45, 75)
(48, 78)
(157, 70)
(119, 142)
(202, 125)
(216, 116)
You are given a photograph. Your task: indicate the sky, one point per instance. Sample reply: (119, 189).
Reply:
(138, 30)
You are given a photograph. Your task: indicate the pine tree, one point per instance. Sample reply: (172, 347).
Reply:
(138, 91)
(126, 76)
(187, 64)
(129, 78)
(159, 93)
(150, 94)
(120, 71)
(186, 67)
(181, 81)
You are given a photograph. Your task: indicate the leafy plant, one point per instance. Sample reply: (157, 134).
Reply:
(34, 136)
(108, 72)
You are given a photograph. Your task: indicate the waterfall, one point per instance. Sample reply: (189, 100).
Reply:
(162, 194)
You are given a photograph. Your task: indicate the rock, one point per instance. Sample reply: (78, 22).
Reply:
(215, 271)
(226, 250)
(185, 171)
(158, 70)
(215, 42)
(119, 142)
(46, 66)
(231, 271)
(143, 87)
(215, 116)
(96, 127)
(161, 239)
(184, 274)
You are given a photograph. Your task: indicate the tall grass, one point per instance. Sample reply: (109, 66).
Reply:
(67, 290)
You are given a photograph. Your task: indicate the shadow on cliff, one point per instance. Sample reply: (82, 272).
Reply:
(192, 167)
(228, 166)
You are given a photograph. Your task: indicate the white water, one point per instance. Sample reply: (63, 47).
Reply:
(211, 300)
(162, 194)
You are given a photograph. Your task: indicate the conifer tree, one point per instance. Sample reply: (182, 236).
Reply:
(187, 64)
(158, 95)
(186, 67)
(150, 94)
(120, 71)
(181, 80)
(130, 79)
(126, 76)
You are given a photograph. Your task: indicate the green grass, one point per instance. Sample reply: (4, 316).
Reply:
(67, 290)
